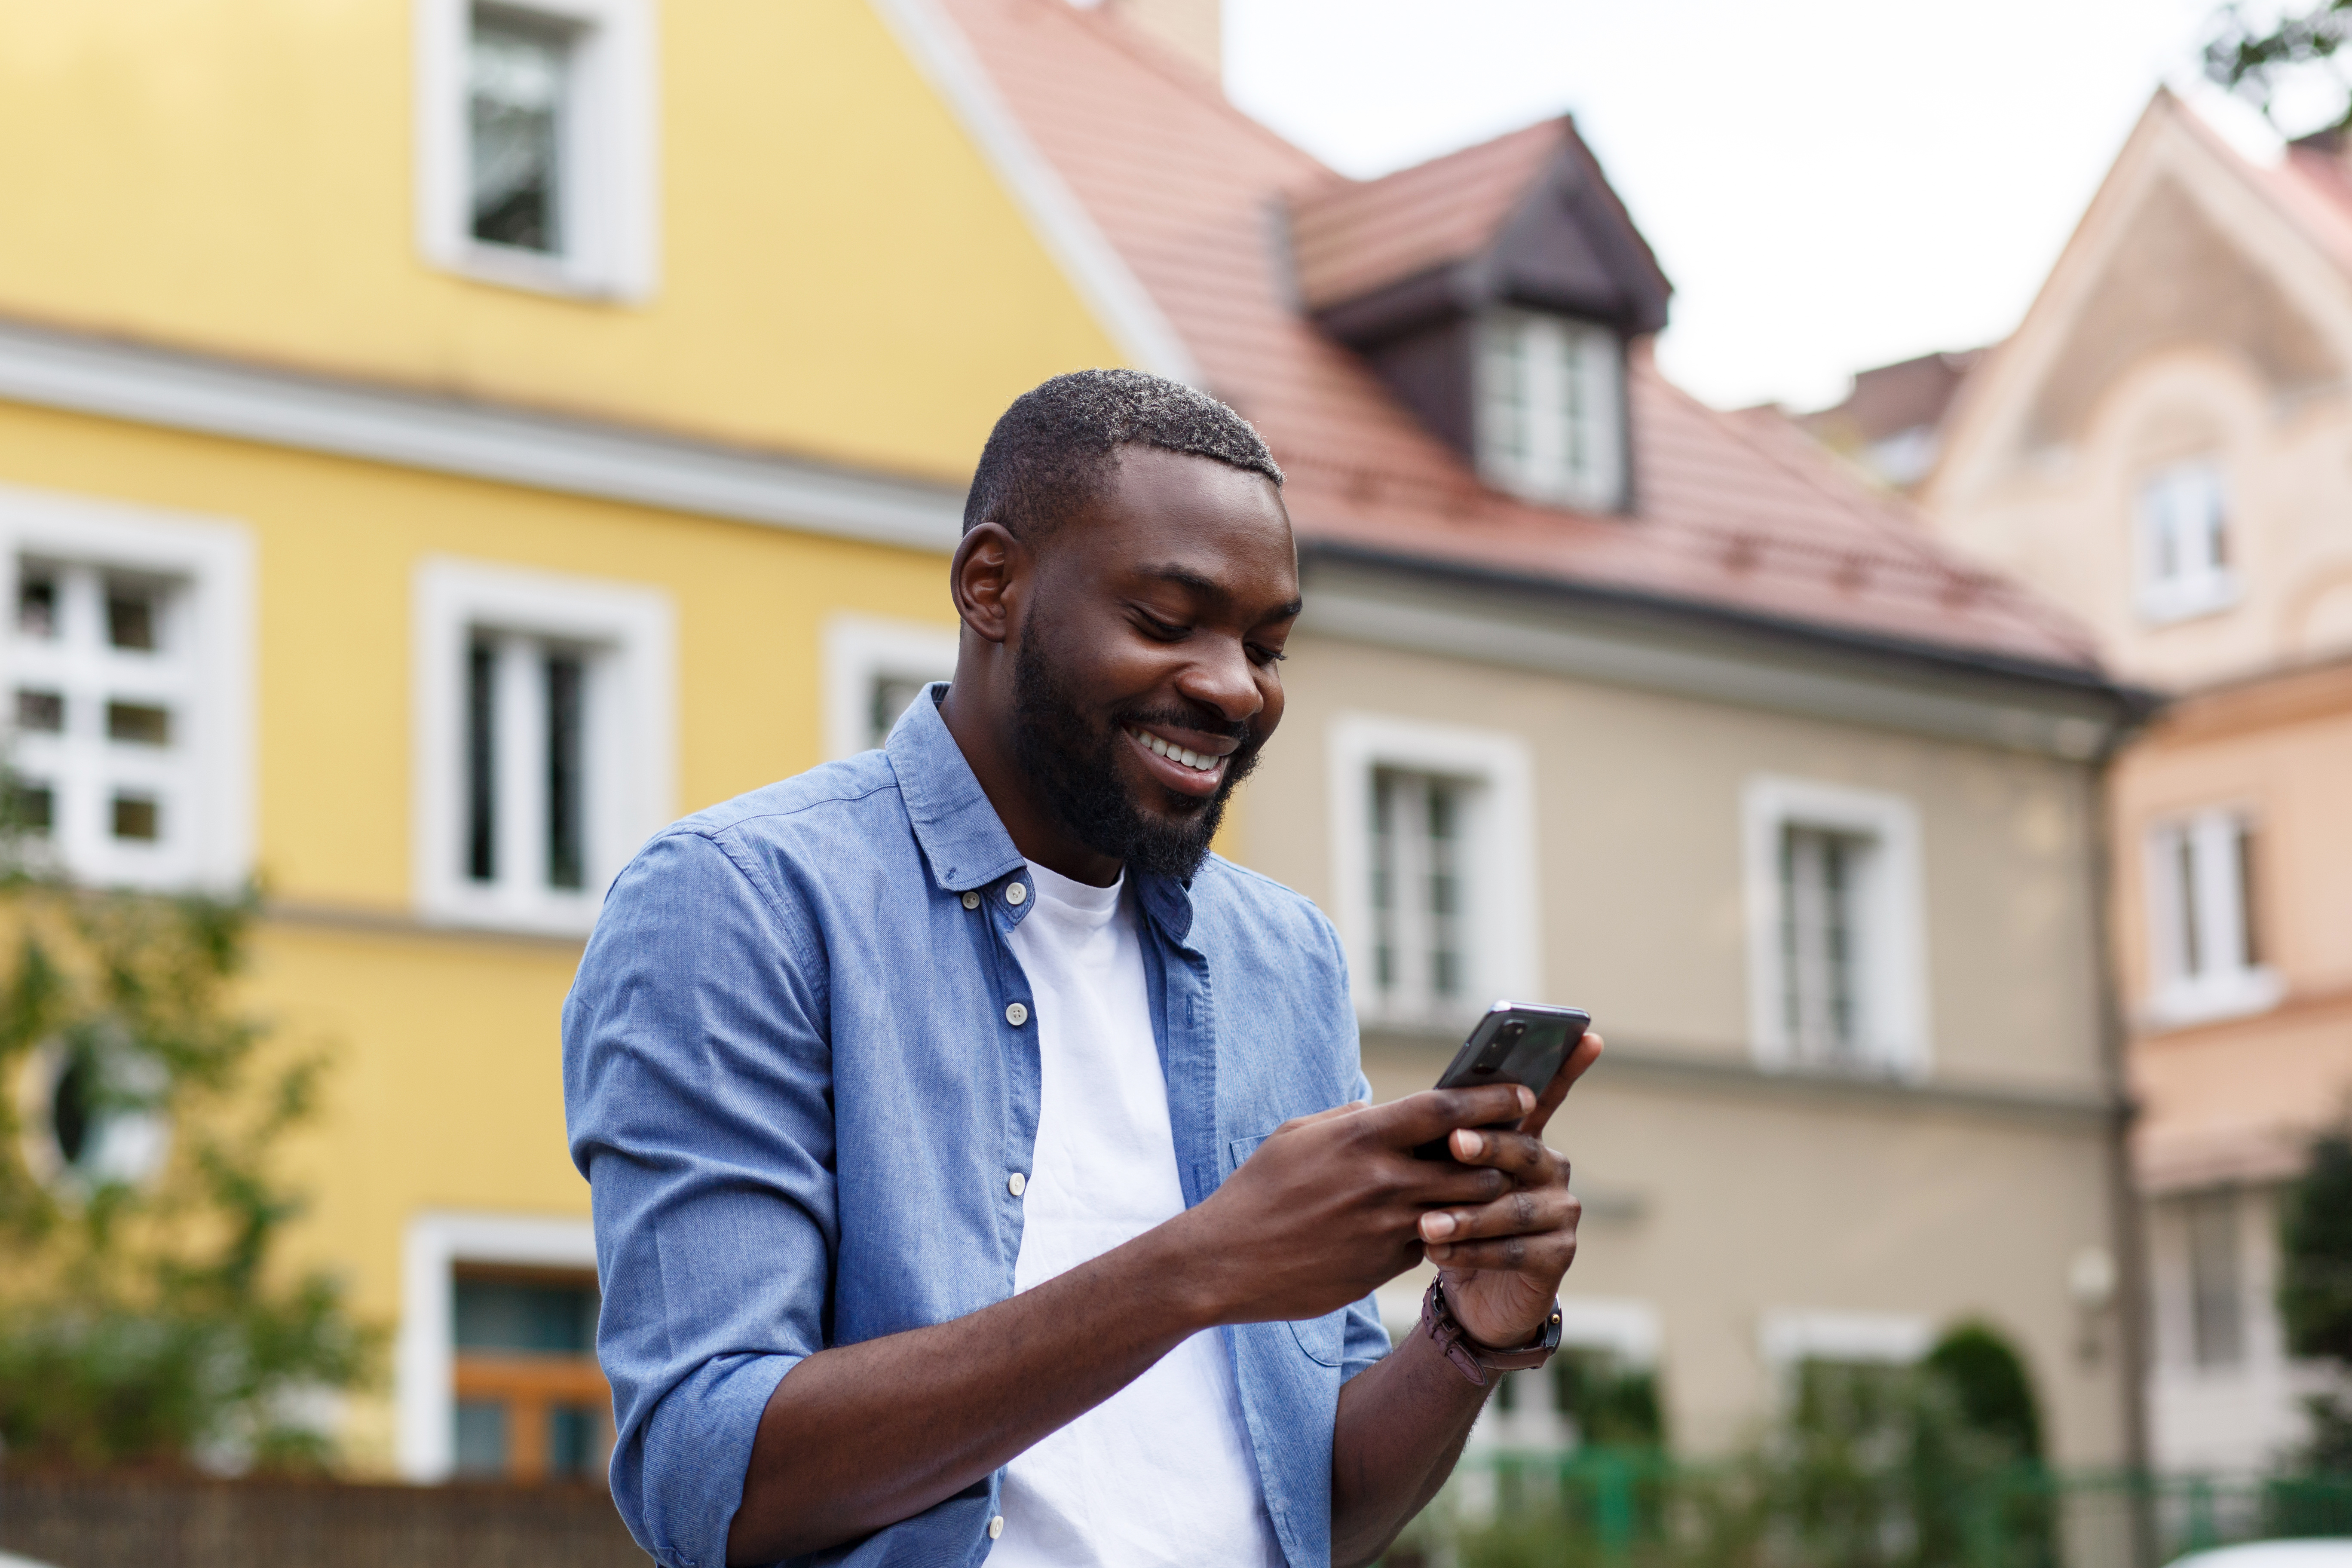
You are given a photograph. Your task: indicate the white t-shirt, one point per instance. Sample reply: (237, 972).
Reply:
(1159, 1473)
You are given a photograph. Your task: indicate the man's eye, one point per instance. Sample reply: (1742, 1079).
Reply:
(1266, 655)
(1165, 631)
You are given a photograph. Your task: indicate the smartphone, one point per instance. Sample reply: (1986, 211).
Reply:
(1516, 1042)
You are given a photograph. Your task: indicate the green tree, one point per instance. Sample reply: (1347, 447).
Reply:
(2314, 1291)
(142, 1318)
(2265, 56)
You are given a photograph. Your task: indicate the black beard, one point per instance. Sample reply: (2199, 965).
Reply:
(1075, 768)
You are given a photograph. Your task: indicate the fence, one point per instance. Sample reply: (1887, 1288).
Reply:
(142, 1520)
(1604, 1508)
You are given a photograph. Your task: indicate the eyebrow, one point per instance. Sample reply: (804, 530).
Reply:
(1208, 588)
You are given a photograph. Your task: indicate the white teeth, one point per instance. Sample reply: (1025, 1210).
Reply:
(1198, 762)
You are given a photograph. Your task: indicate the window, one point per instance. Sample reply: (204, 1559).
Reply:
(1788, 1338)
(2209, 963)
(127, 674)
(2184, 544)
(874, 668)
(494, 1366)
(535, 148)
(544, 741)
(1432, 839)
(532, 1403)
(1836, 980)
(1552, 393)
(2216, 1322)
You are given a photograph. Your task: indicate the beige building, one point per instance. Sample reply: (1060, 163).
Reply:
(1604, 697)
(2164, 447)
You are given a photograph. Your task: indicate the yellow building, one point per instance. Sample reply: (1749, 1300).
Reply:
(440, 443)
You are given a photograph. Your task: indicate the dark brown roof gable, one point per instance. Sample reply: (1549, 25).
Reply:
(1526, 218)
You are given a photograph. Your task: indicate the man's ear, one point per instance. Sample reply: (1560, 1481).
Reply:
(986, 577)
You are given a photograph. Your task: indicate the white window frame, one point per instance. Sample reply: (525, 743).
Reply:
(2179, 998)
(609, 156)
(425, 1353)
(1540, 472)
(1893, 971)
(215, 558)
(2204, 588)
(633, 742)
(1501, 938)
(1786, 1337)
(860, 650)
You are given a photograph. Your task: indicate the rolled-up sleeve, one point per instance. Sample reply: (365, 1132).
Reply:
(697, 1095)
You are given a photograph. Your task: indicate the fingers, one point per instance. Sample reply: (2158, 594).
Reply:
(1433, 1112)
(1580, 1061)
(1350, 1109)
(1516, 1230)
(1522, 1155)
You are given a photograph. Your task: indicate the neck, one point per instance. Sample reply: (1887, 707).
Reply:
(982, 732)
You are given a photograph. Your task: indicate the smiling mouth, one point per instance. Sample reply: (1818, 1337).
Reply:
(1182, 756)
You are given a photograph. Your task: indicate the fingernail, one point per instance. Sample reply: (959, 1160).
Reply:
(1468, 1144)
(1436, 1227)
(1527, 1099)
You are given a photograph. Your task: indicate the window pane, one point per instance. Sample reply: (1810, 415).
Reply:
(2250, 947)
(2215, 1321)
(136, 816)
(574, 1441)
(567, 832)
(37, 606)
(31, 807)
(893, 695)
(1820, 997)
(1445, 979)
(517, 85)
(41, 711)
(1384, 913)
(548, 1319)
(131, 617)
(2192, 948)
(137, 723)
(481, 1437)
(481, 761)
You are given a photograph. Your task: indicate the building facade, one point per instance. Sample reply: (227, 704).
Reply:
(1604, 697)
(2160, 447)
(440, 445)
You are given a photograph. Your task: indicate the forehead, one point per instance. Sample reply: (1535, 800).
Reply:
(1163, 507)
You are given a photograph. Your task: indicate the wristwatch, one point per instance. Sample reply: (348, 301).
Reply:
(1473, 1360)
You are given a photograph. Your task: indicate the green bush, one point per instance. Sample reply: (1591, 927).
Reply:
(142, 1319)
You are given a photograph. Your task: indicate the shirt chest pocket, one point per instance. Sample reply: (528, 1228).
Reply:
(1321, 1339)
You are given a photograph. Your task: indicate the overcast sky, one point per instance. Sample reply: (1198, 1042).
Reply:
(1830, 183)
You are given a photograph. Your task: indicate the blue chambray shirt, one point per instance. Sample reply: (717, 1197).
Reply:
(791, 1080)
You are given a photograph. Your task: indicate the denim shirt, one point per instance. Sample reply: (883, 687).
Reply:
(798, 1073)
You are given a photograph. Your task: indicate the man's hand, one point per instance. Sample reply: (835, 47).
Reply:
(1331, 1206)
(1501, 1260)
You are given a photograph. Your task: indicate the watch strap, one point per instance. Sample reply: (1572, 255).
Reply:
(1474, 1360)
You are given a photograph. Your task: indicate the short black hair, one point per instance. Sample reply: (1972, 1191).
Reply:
(1052, 451)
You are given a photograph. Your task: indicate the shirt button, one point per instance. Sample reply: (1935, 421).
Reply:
(1016, 1014)
(996, 1527)
(972, 900)
(1016, 1183)
(1015, 894)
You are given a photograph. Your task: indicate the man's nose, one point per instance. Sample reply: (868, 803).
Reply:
(1223, 679)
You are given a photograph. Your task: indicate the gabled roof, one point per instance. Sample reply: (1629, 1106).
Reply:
(2186, 242)
(1753, 522)
(1528, 215)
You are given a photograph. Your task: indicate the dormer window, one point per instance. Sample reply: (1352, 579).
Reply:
(1550, 414)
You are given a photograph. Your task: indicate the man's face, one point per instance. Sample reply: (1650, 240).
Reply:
(1155, 630)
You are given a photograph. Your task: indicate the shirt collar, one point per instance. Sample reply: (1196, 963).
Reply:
(959, 830)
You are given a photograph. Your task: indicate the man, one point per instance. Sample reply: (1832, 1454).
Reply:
(977, 1162)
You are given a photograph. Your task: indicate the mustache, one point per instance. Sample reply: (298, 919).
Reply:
(1202, 720)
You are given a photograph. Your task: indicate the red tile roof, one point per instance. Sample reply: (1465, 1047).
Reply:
(1728, 515)
(1349, 237)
